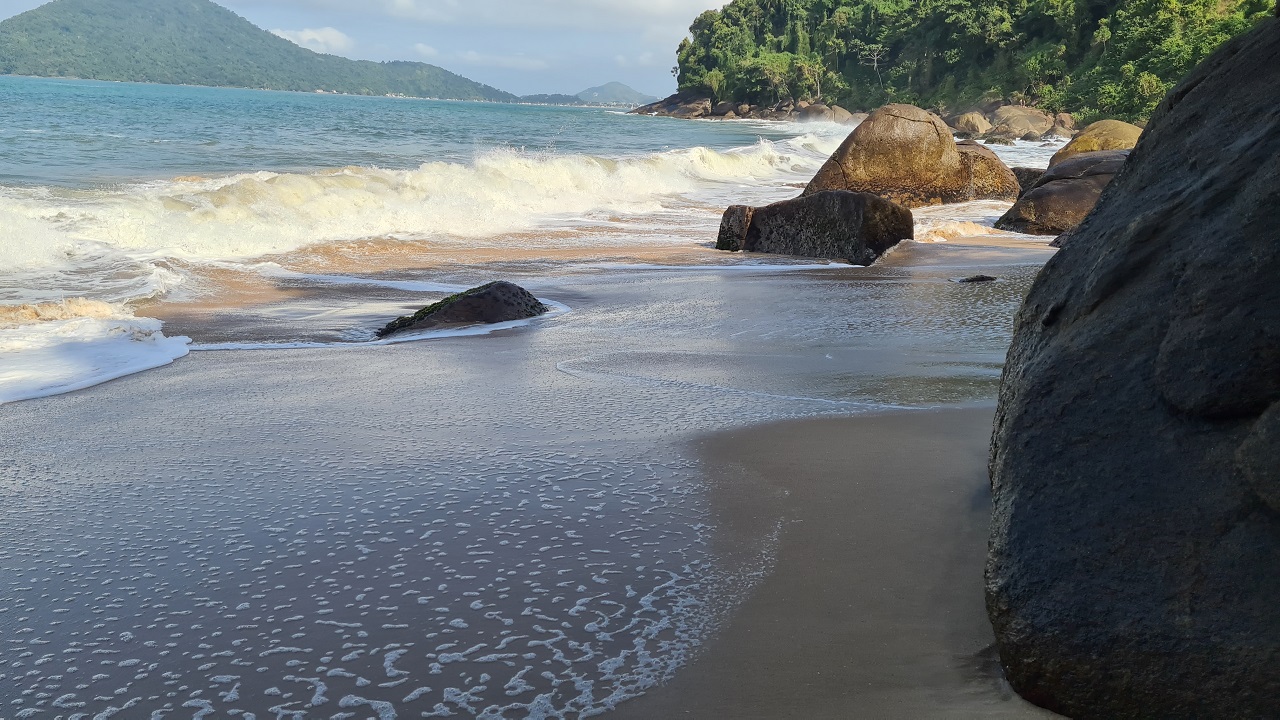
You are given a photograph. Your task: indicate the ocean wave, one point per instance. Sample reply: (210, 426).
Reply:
(256, 214)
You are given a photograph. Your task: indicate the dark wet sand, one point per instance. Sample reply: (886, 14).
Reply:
(874, 608)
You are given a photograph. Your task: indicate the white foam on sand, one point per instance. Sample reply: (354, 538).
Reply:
(77, 346)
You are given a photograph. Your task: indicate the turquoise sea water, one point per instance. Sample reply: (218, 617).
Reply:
(81, 133)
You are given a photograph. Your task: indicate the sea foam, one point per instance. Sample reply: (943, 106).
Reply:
(75, 346)
(254, 214)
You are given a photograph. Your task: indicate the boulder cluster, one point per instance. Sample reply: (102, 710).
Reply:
(1002, 124)
(1057, 200)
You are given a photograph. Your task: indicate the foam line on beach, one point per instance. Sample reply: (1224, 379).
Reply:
(60, 356)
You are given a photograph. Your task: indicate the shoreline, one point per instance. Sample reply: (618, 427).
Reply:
(874, 604)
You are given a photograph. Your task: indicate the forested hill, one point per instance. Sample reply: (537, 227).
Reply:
(1112, 58)
(196, 42)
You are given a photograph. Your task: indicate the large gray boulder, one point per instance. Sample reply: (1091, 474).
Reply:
(1064, 194)
(493, 302)
(1134, 566)
(834, 225)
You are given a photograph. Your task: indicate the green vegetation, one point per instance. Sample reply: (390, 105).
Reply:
(196, 42)
(1098, 58)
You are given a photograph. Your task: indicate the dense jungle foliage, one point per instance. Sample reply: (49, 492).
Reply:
(1097, 58)
(196, 42)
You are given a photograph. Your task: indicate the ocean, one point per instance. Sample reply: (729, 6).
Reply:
(294, 520)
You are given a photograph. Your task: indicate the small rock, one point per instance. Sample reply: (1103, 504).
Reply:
(494, 302)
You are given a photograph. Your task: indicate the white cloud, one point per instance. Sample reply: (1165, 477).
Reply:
(589, 14)
(644, 59)
(425, 50)
(322, 40)
(510, 62)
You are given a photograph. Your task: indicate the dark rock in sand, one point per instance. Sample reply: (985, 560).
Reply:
(1027, 177)
(492, 303)
(836, 225)
(908, 155)
(978, 279)
(733, 227)
(1064, 194)
(1134, 566)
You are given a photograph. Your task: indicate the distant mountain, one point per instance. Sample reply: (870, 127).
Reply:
(197, 42)
(553, 99)
(615, 93)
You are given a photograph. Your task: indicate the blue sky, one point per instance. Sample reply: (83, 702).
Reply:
(522, 46)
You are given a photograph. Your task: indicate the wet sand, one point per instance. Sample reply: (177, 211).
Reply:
(521, 520)
(874, 606)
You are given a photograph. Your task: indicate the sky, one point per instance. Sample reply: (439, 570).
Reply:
(521, 46)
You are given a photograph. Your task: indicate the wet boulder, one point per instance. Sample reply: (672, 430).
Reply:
(906, 155)
(1136, 528)
(1102, 135)
(1064, 194)
(834, 225)
(494, 302)
(733, 227)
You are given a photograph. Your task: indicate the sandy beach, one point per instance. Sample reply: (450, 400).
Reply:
(546, 516)
(873, 607)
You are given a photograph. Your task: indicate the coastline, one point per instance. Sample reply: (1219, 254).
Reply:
(874, 606)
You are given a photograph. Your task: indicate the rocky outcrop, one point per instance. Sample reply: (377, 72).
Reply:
(492, 303)
(1136, 530)
(1064, 194)
(909, 156)
(971, 123)
(1102, 135)
(835, 225)
(680, 105)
